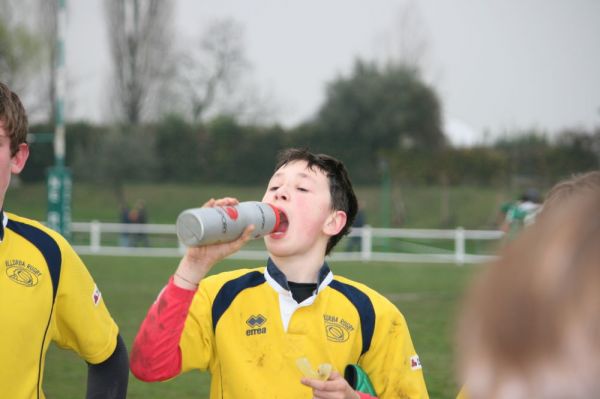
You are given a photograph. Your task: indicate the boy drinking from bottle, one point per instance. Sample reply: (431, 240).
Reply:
(251, 328)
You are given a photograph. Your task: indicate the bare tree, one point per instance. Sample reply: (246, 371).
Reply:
(19, 47)
(405, 43)
(139, 37)
(212, 76)
(213, 71)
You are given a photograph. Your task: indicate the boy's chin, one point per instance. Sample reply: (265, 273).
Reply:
(276, 247)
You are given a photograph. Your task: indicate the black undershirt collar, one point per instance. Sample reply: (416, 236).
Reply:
(299, 291)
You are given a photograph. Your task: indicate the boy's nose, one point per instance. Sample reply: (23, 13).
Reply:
(281, 194)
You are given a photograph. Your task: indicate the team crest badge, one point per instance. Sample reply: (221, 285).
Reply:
(336, 328)
(22, 273)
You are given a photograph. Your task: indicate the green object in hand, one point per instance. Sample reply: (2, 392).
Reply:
(358, 379)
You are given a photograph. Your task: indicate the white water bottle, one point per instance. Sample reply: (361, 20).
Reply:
(203, 226)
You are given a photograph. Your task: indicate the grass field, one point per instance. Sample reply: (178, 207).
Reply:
(427, 295)
(413, 206)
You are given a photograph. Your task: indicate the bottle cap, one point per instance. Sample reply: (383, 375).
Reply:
(280, 219)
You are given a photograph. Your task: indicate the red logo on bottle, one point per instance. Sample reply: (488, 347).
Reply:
(232, 212)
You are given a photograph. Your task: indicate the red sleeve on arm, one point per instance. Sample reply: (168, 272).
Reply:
(155, 355)
(363, 395)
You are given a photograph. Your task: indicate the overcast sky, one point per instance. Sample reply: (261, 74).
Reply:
(497, 65)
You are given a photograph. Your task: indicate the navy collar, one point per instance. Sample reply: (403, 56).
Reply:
(281, 279)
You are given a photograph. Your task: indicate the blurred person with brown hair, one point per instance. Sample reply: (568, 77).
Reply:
(578, 184)
(531, 325)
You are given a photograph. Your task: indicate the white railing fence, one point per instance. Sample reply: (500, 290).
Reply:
(375, 244)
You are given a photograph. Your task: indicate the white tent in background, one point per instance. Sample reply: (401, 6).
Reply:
(461, 134)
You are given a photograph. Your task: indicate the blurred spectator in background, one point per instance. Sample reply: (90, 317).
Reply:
(501, 216)
(138, 215)
(531, 324)
(354, 242)
(521, 213)
(124, 219)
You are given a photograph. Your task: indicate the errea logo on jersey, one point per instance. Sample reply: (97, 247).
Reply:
(22, 273)
(256, 325)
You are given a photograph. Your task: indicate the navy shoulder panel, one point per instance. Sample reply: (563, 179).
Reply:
(47, 246)
(230, 290)
(364, 307)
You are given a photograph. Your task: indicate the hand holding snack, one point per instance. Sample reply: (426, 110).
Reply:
(322, 373)
(325, 382)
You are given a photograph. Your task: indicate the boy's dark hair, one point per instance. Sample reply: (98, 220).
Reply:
(13, 117)
(340, 187)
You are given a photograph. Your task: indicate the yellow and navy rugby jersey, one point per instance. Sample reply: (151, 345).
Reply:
(46, 294)
(247, 330)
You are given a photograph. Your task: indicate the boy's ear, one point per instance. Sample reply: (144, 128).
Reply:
(335, 222)
(17, 162)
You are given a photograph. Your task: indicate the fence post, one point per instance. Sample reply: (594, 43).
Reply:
(459, 246)
(95, 232)
(366, 242)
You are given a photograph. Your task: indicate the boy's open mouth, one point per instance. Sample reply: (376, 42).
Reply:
(283, 224)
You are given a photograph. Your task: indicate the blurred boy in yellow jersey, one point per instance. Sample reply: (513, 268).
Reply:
(46, 292)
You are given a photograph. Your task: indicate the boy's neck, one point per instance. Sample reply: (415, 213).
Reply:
(299, 269)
